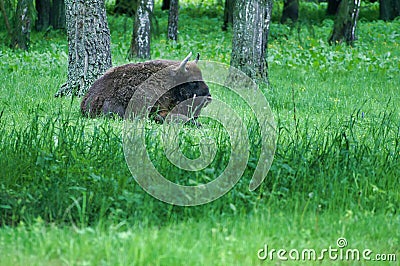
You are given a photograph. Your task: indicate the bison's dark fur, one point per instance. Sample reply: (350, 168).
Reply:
(111, 93)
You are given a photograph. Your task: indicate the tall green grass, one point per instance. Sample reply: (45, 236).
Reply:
(53, 164)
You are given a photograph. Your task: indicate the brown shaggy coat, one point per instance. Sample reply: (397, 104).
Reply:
(168, 82)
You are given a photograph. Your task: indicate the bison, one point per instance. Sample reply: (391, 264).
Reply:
(165, 84)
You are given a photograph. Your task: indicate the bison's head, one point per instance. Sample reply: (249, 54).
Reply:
(192, 87)
(178, 89)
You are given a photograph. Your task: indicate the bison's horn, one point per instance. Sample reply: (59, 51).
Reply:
(182, 66)
(197, 58)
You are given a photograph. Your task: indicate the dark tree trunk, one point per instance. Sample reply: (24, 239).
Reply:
(89, 53)
(43, 14)
(290, 10)
(22, 25)
(173, 20)
(165, 4)
(228, 14)
(251, 23)
(140, 45)
(344, 28)
(57, 14)
(333, 6)
(127, 7)
(389, 9)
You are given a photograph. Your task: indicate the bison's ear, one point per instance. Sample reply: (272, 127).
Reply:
(197, 58)
(182, 66)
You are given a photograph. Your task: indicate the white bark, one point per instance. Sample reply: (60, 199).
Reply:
(345, 25)
(250, 36)
(140, 46)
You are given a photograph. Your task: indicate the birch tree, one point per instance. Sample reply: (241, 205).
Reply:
(22, 25)
(251, 22)
(344, 28)
(140, 44)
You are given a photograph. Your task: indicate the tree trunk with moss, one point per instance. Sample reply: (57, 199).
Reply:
(344, 28)
(140, 45)
(251, 22)
(89, 53)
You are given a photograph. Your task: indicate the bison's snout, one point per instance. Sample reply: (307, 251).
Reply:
(207, 99)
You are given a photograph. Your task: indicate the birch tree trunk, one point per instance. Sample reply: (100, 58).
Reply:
(251, 22)
(89, 53)
(22, 25)
(344, 28)
(140, 45)
(173, 20)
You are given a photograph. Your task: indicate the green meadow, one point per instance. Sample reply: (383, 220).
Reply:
(67, 196)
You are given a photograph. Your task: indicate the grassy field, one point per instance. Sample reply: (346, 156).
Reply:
(67, 196)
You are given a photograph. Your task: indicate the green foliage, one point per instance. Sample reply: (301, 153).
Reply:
(336, 169)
